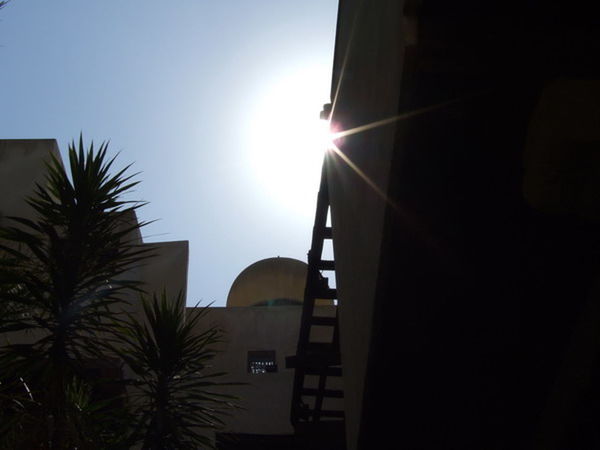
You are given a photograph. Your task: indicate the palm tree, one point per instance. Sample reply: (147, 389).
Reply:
(60, 276)
(177, 395)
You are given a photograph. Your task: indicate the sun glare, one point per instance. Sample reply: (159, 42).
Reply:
(287, 140)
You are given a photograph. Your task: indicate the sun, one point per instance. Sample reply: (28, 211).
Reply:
(286, 139)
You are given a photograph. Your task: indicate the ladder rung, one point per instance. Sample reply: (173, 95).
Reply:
(330, 413)
(325, 294)
(327, 233)
(326, 264)
(331, 393)
(316, 365)
(327, 371)
(307, 413)
(317, 355)
(320, 347)
(323, 321)
(323, 428)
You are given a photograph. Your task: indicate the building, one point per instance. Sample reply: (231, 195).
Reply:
(261, 322)
(464, 207)
(23, 164)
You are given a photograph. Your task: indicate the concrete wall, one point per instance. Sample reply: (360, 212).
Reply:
(365, 90)
(22, 165)
(472, 311)
(266, 398)
(166, 270)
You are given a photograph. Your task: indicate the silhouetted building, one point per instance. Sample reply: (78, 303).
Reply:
(22, 165)
(261, 324)
(465, 208)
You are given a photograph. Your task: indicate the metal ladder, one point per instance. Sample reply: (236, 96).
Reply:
(319, 360)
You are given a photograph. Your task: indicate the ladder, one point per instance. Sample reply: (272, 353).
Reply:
(311, 411)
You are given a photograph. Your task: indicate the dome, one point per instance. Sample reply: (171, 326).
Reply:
(270, 282)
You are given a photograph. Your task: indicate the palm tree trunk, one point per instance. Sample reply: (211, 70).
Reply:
(157, 430)
(57, 396)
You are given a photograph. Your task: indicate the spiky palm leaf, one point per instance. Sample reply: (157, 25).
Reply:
(60, 274)
(177, 393)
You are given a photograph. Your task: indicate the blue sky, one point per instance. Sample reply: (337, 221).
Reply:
(215, 102)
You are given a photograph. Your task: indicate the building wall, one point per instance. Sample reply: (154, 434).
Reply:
(166, 270)
(22, 165)
(365, 90)
(476, 298)
(265, 398)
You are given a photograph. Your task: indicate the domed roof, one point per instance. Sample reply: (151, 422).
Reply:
(269, 282)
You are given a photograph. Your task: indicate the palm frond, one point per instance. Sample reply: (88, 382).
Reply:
(60, 273)
(178, 394)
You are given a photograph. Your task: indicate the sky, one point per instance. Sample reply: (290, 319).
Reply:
(216, 103)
